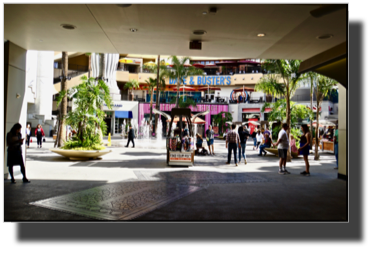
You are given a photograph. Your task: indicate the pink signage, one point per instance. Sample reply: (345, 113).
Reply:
(144, 108)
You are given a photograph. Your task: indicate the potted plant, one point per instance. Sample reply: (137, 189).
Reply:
(87, 119)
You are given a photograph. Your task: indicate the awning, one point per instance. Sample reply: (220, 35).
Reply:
(123, 114)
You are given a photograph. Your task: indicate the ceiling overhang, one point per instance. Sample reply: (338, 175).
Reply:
(331, 63)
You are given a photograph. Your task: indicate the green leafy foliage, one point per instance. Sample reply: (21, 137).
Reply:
(221, 120)
(184, 103)
(87, 118)
(278, 112)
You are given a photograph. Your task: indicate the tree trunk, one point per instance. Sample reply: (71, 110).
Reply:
(289, 157)
(316, 153)
(62, 126)
(311, 108)
(151, 105)
(177, 98)
(158, 93)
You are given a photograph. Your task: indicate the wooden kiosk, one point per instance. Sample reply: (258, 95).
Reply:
(180, 157)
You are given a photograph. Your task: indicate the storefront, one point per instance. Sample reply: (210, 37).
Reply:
(121, 110)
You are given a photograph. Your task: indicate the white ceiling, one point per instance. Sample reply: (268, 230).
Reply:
(167, 29)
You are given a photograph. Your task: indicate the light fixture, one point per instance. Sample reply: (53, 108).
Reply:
(235, 79)
(199, 32)
(260, 35)
(243, 79)
(40, 40)
(204, 13)
(325, 36)
(133, 29)
(252, 78)
(68, 26)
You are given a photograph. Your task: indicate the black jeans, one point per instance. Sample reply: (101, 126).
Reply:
(22, 167)
(27, 140)
(39, 140)
(232, 147)
(133, 142)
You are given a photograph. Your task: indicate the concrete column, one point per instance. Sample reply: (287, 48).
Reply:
(15, 102)
(44, 83)
(342, 130)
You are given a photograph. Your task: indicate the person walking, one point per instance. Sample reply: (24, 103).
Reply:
(28, 131)
(253, 135)
(232, 141)
(259, 139)
(131, 136)
(243, 135)
(336, 136)
(282, 146)
(267, 144)
(210, 139)
(39, 132)
(304, 149)
(14, 151)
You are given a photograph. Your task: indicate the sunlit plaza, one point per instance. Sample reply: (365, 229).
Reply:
(117, 116)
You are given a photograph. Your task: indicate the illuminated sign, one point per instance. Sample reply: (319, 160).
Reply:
(205, 80)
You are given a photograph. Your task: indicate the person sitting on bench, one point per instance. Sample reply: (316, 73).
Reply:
(267, 144)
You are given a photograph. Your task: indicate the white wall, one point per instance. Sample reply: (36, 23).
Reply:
(342, 130)
(16, 99)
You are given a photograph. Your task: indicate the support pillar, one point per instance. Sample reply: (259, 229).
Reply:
(342, 130)
(15, 103)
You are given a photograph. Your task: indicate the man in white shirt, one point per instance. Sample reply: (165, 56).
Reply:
(282, 146)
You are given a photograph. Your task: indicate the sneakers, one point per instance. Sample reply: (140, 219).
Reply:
(228, 162)
(286, 172)
(25, 180)
(265, 153)
(281, 172)
(259, 155)
(237, 165)
(245, 162)
(304, 173)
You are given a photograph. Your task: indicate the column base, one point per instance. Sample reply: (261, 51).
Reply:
(342, 177)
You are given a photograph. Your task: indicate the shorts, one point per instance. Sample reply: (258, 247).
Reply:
(210, 142)
(199, 145)
(283, 153)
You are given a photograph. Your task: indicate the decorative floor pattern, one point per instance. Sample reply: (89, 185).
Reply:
(129, 199)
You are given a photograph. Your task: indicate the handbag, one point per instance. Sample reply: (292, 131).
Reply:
(44, 140)
(31, 140)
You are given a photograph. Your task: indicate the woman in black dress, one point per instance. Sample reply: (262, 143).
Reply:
(304, 149)
(14, 142)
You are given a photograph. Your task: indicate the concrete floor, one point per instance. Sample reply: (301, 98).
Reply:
(320, 197)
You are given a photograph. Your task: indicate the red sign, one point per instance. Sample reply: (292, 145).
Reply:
(252, 126)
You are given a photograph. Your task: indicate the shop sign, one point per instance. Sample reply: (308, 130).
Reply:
(180, 156)
(205, 80)
(115, 105)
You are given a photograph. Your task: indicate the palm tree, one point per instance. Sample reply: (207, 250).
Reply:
(180, 72)
(131, 85)
(87, 118)
(151, 84)
(283, 82)
(312, 77)
(323, 88)
(160, 71)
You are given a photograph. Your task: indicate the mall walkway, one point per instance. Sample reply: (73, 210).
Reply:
(135, 184)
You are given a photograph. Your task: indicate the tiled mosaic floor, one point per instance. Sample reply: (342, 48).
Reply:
(129, 199)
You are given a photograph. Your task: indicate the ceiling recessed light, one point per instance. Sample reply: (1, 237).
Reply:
(261, 35)
(325, 36)
(199, 32)
(40, 40)
(204, 13)
(69, 27)
(133, 29)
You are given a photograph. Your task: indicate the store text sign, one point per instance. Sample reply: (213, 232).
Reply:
(205, 80)
(180, 156)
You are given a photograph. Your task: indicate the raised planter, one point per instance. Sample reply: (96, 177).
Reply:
(81, 154)
(275, 152)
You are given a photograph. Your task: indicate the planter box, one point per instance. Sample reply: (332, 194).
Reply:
(81, 154)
